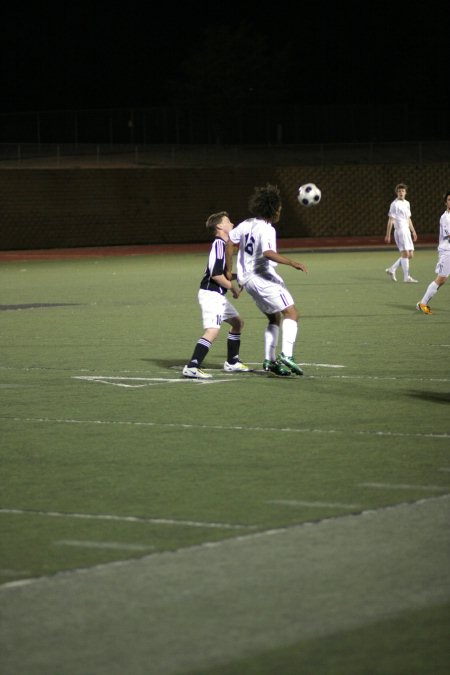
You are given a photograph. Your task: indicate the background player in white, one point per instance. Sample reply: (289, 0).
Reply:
(214, 305)
(256, 262)
(399, 217)
(443, 265)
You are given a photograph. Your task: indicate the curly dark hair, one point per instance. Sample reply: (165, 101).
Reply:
(265, 203)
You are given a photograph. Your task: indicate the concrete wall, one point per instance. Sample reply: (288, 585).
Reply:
(53, 208)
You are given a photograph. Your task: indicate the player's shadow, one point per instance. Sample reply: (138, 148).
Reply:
(166, 363)
(405, 307)
(178, 365)
(432, 396)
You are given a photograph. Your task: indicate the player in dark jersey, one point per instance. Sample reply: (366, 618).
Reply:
(214, 305)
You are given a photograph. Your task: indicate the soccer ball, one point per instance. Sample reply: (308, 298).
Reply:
(309, 194)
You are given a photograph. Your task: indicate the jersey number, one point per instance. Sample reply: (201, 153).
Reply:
(249, 243)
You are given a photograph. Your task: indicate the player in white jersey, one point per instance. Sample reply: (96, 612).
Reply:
(214, 305)
(399, 217)
(443, 265)
(256, 262)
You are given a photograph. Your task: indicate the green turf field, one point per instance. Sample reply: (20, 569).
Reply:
(243, 525)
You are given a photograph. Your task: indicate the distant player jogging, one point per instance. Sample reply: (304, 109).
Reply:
(399, 217)
(443, 265)
(256, 262)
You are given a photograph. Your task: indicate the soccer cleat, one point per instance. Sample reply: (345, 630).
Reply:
(289, 362)
(391, 274)
(236, 367)
(410, 280)
(423, 308)
(195, 373)
(276, 368)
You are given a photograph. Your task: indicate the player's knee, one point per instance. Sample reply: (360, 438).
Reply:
(237, 324)
(291, 313)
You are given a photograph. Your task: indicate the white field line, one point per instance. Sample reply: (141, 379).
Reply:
(401, 486)
(125, 519)
(148, 381)
(303, 363)
(221, 427)
(5, 572)
(444, 468)
(112, 545)
(262, 534)
(378, 377)
(325, 505)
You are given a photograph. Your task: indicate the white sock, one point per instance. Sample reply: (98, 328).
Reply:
(270, 341)
(396, 264)
(290, 328)
(431, 290)
(405, 267)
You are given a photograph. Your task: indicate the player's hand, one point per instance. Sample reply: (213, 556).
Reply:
(235, 292)
(299, 266)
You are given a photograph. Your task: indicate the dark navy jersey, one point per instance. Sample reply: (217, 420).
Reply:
(215, 267)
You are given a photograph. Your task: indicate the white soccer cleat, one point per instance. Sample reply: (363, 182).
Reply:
(237, 367)
(410, 280)
(391, 274)
(195, 373)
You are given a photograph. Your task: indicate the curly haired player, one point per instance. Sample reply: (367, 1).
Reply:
(256, 262)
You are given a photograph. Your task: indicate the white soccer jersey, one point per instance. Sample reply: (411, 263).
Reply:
(254, 236)
(400, 211)
(444, 232)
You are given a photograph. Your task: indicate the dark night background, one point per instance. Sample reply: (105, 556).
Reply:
(222, 56)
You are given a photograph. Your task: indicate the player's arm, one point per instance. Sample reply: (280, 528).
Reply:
(222, 280)
(413, 231)
(390, 222)
(229, 250)
(283, 260)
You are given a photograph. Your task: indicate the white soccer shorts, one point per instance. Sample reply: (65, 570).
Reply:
(269, 296)
(403, 239)
(443, 264)
(215, 308)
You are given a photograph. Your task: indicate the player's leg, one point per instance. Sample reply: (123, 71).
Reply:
(423, 304)
(211, 307)
(289, 337)
(270, 297)
(390, 271)
(271, 336)
(443, 272)
(406, 257)
(233, 363)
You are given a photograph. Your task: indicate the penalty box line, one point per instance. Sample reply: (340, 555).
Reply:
(222, 427)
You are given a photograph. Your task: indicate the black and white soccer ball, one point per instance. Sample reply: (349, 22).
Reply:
(309, 194)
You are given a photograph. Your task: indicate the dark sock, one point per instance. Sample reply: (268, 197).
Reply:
(200, 351)
(233, 346)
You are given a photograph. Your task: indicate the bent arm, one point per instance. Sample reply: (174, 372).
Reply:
(283, 260)
(222, 280)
